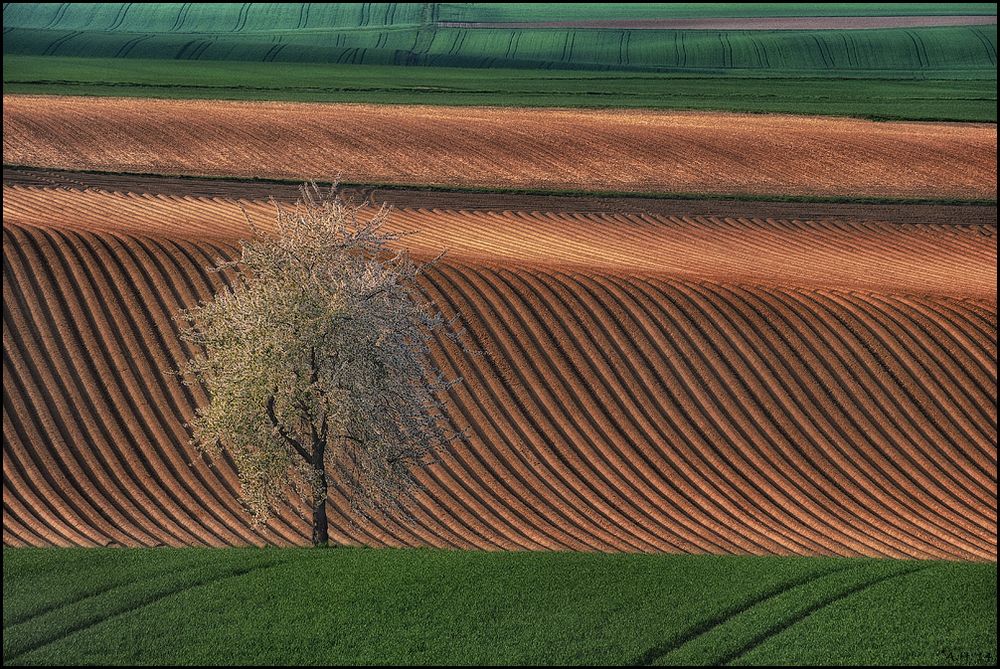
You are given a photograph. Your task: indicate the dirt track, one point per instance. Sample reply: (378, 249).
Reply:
(636, 151)
(748, 23)
(614, 408)
(847, 212)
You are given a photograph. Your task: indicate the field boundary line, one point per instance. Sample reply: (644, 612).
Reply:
(485, 190)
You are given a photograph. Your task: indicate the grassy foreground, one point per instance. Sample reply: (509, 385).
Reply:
(367, 606)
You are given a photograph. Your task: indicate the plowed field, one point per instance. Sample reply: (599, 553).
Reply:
(869, 255)
(638, 387)
(510, 148)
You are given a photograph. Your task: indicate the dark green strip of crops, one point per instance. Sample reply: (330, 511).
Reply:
(963, 96)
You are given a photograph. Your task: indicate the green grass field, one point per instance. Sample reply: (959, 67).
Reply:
(401, 53)
(369, 606)
(916, 49)
(956, 99)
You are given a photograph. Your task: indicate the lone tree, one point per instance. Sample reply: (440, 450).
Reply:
(316, 363)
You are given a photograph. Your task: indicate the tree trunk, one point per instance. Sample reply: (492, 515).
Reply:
(320, 528)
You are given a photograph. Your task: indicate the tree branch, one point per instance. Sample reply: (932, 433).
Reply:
(291, 440)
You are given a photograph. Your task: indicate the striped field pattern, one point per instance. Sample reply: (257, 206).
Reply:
(633, 151)
(610, 406)
(439, 35)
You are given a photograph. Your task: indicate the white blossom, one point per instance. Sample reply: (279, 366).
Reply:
(317, 362)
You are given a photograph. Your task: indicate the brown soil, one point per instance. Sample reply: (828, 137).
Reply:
(774, 23)
(622, 401)
(873, 255)
(638, 151)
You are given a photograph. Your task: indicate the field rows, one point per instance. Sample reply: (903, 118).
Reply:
(608, 410)
(552, 149)
(250, 18)
(930, 49)
(870, 255)
(409, 34)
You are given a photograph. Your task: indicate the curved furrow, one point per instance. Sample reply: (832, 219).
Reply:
(769, 374)
(631, 341)
(613, 407)
(147, 259)
(607, 435)
(946, 346)
(900, 476)
(126, 333)
(837, 407)
(586, 425)
(912, 357)
(38, 489)
(725, 386)
(28, 513)
(853, 400)
(721, 391)
(970, 326)
(737, 383)
(41, 383)
(605, 352)
(802, 392)
(540, 411)
(490, 412)
(143, 306)
(880, 376)
(944, 392)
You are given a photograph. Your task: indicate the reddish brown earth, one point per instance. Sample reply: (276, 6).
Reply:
(634, 151)
(622, 400)
(867, 255)
(763, 23)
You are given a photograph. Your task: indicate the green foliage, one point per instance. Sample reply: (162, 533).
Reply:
(366, 606)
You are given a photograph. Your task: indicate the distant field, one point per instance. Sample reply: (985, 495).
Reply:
(952, 96)
(947, 48)
(596, 11)
(362, 606)
(306, 52)
(594, 150)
